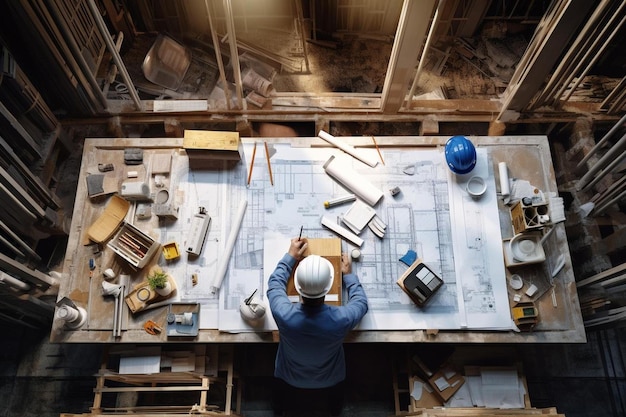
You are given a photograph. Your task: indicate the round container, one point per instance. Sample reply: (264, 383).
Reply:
(476, 186)
(515, 281)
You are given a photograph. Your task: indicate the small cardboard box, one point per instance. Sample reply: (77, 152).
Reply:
(531, 217)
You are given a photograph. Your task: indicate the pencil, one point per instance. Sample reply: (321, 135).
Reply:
(378, 149)
(269, 165)
(252, 163)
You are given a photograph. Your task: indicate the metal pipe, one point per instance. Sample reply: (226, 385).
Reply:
(611, 154)
(606, 170)
(603, 207)
(114, 53)
(602, 141)
(610, 192)
(13, 282)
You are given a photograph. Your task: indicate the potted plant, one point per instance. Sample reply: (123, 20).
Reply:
(159, 281)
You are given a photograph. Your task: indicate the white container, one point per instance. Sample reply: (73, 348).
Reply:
(476, 187)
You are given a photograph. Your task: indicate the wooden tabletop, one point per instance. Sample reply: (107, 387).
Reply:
(528, 156)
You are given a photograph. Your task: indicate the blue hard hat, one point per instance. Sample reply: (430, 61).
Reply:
(460, 154)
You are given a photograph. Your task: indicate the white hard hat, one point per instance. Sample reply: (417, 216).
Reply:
(314, 276)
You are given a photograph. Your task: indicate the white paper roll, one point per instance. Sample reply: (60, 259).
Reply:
(505, 188)
(353, 181)
(228, 247)
(348, 148)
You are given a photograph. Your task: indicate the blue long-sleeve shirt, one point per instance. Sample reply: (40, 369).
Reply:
(310, 351)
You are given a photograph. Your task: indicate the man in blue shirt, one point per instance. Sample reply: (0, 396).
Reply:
(310, 352)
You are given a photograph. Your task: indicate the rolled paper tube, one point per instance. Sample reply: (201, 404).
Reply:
(228, 248)
(353, 181)
(505, 188)
(348, 148)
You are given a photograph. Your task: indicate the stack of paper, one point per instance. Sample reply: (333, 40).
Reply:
(358, 216)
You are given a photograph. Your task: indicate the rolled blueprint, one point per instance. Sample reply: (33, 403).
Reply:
(366, 159)
(353, 181)
(505, 189)
(228, 247)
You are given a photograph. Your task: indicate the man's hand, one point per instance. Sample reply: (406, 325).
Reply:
(346, 263)
(298, 247)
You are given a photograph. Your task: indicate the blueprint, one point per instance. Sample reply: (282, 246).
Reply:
(418, 218)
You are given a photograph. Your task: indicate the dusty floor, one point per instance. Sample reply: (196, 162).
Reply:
(352, 65)
(42, 379)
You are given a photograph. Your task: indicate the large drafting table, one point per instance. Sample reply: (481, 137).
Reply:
(458, 237)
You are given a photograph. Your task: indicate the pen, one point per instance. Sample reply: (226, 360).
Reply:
(339, 200)
(300, 237)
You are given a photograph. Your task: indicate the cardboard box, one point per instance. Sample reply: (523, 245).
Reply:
(427, 399)
(446, 382)
(531, 217)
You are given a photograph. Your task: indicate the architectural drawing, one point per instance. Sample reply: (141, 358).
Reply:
(418, 218)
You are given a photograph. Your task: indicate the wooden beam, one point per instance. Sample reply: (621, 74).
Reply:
(31, 145)
(602, 276)
(20, 194)
(553, 33)
(35, 183)
(410, 35)
(234, 54)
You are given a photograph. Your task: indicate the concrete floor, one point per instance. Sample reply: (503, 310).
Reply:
(41, 379)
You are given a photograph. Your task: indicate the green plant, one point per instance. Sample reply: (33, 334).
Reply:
(157, 279)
